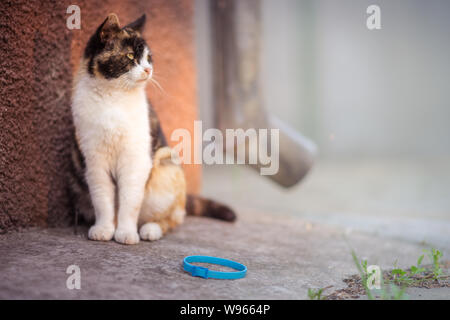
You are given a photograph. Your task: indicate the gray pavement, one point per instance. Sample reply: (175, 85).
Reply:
(291, 240)
(285, 256)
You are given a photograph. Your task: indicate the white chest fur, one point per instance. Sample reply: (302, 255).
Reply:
(111, 124)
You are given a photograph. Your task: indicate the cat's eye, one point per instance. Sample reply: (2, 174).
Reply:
(149, 58)
(130, 56)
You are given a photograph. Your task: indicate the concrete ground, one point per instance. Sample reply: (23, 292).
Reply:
(284, 257)
(289, 240)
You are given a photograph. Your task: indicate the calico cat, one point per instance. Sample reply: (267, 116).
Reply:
(122, 175)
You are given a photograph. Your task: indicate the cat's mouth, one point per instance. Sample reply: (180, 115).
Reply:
(145, 77)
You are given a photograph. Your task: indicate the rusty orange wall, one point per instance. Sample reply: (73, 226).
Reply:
(37, 60)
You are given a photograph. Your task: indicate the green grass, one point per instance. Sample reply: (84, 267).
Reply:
(435, 256)
(316, 294)
(388, 291)
(417, 274)
(399, 279)
(394, 283)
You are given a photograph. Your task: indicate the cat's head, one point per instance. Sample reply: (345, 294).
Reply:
(119, 54)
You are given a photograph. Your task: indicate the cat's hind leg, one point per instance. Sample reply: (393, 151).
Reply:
(151, 231)
(152, 221)
(177, 217)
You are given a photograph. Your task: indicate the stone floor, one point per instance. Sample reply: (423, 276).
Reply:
(285, 256)
(290, 240)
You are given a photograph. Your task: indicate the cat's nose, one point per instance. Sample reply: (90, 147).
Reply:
(148, 71)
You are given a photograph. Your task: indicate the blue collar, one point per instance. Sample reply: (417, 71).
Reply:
(197, 271)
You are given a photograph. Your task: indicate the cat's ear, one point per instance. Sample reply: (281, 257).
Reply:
(108, 28)
(137, 25)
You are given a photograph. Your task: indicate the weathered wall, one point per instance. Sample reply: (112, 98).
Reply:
(37, 59)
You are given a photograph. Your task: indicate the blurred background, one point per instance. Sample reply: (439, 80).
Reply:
(376, 103)
(364, 142)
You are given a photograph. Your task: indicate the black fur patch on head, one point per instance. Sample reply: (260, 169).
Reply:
(109, 48)
(101, 36)
(137, 44)
(115, 66)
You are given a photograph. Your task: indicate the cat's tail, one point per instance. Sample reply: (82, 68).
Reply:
(199, 206)
(196, 205)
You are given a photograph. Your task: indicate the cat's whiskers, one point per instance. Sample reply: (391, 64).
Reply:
(156, 83)
(156, 73)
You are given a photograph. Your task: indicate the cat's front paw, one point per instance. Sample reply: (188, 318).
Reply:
(151, 231)
(101, 232)
(126, 236)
